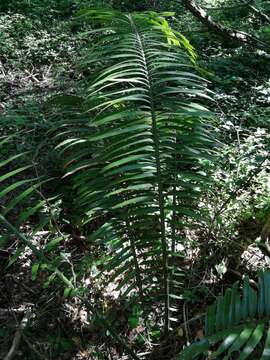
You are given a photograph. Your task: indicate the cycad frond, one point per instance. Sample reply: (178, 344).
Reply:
(238, 323)
(146, 135)
(16, 188)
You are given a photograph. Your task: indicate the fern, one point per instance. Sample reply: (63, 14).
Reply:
(134, 159)
(238, 323)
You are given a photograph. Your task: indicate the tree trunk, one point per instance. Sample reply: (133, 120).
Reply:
(223, 31)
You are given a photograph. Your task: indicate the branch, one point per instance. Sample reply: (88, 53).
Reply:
(223, 31)
(4, 313)
(18, 335)
(262, 15)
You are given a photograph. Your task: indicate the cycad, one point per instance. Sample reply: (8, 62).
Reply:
(135, 159)
(238, 323)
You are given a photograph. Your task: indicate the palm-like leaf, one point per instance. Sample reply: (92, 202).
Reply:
(145, 137)
(238, 323)
(18, 198)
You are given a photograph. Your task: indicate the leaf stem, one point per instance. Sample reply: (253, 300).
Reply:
(159, 175)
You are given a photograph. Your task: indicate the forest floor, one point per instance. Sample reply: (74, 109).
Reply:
(62, 328)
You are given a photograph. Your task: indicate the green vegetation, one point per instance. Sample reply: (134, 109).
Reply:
(240, 321)
(134, 179)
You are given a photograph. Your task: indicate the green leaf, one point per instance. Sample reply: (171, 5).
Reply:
(67, 292)
(49, 280)
(245, 301)
(133, 321)
(253, 341)
(53, 244)
(266, 350)
(34, 271)
(192, 351)
(17, 254)
(240, 341)
(266, 280)
(219, 313)
(210, 320)
(261, 300)
(232, 318)
(227, 342)
(13, 172)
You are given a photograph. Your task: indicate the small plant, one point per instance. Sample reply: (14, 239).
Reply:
(135, 162)
(237, 324)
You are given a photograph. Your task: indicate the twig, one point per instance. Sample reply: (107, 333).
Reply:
(27, 288)
(41, 356)
(32, 76)
(4, 313)
(186, 323)
(18, 335)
